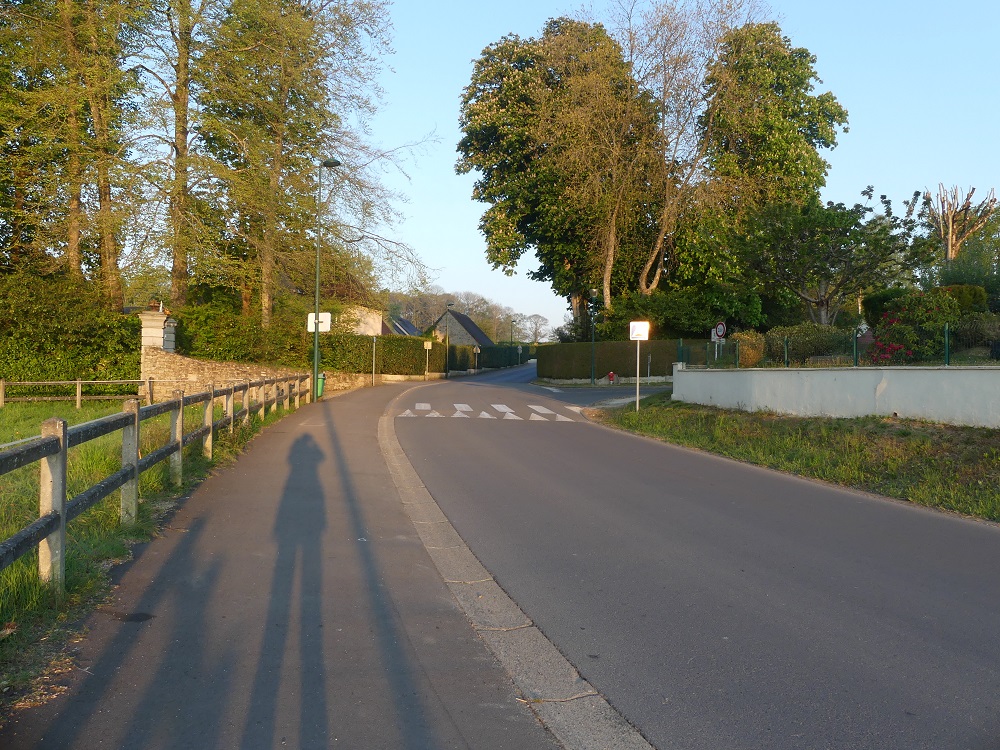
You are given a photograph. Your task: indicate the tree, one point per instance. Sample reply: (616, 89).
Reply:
(280, 90)
(764, 126)
(537, 327)
(829, 254)
(954, 219)
(670, 46)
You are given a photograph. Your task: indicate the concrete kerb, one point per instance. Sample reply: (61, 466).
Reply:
(569, 707)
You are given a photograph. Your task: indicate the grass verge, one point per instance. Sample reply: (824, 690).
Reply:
(35, 624)
(942, 466)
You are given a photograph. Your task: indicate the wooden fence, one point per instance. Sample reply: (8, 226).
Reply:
(50, 450)
(144, 389)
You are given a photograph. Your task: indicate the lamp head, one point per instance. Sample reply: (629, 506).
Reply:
(331, 163)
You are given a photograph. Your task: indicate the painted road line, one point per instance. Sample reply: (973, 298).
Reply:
(407, 413)
(463, 407)
(423, 407)
(461, 414)
(577, 409)
(540, 409)
(561, 418)
(502, 408)
(432, 414)
(537, 418)
(486, 415)
(512, 415)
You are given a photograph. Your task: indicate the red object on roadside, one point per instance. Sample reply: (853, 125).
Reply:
(611, 378)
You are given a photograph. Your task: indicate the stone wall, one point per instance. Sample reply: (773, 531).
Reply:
(175, 372)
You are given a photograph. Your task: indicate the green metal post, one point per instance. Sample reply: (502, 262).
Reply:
(855, 347)
(786, 352)
(947, 345)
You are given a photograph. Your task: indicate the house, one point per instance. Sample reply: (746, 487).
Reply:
(460, 330)
(402, 327)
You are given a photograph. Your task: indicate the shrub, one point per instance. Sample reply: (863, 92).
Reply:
(977, 329)
(58, 328)
(751, 347)
(874, 305)
(912, 329)
(970, 298)
(807, 340)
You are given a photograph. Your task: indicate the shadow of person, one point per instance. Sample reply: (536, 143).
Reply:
(298, 532)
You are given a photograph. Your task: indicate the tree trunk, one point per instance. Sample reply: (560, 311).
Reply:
(179, 190)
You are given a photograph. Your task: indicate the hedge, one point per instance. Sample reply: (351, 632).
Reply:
(56, 328)
(572, 361)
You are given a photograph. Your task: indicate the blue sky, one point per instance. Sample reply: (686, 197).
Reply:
(919, 81)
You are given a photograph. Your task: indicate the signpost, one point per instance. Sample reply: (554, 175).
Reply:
(427, 357)
(638, 331)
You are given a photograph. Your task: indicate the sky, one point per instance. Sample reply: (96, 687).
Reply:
(918, 79)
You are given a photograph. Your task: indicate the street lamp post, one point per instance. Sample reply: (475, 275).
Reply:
(329, 164)
(447, 340)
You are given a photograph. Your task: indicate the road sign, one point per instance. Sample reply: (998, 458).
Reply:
(428, 344)
(720, 330)
(638, 330)
(324, 322)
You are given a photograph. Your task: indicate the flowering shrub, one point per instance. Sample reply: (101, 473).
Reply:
(751, 347)
(912, 329)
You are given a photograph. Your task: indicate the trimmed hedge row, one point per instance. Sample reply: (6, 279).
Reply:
(406, 355)
(58, 329)
(572, 361)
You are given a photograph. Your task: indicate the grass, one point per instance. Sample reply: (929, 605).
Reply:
(942, 466)
(35, 623)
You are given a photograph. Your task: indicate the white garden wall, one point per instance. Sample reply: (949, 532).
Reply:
(954, 395)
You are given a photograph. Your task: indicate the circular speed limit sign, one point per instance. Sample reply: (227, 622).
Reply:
(720, 330)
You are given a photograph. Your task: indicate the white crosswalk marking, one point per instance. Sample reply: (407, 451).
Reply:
(538, 412)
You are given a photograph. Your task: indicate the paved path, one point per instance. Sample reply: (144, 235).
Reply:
(289, 603)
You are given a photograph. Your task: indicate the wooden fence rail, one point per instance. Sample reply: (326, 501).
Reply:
(50, 451)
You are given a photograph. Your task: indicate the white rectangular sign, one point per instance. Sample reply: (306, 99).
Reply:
(324, 322)
(638, 330)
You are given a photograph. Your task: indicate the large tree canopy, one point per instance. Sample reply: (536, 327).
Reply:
(765, 126)
(829, 254)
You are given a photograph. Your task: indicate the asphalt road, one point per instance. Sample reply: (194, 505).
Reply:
(717, 605)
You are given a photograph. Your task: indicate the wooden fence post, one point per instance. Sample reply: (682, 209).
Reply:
(52, 498)
(149, 391)
(245, 403)
(230, 399)
(298, 394)
(3, 393)
(262, 400)
(286, 386)
(177, 437)
(130, 457)
(206, 445)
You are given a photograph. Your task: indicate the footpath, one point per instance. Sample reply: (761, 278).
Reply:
(288, 603)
